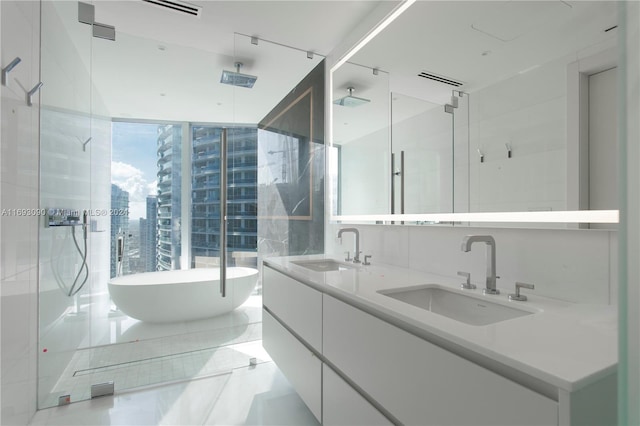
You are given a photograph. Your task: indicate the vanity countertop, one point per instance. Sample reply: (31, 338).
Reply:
(564, 344)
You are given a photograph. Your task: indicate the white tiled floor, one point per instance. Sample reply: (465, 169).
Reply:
(142, 370)
(159, 353)
(258, 395)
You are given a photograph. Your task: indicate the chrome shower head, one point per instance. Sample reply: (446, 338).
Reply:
(350, 100)
(236, 78)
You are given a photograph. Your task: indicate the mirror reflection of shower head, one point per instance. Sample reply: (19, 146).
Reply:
(236, 78)
(350, 100)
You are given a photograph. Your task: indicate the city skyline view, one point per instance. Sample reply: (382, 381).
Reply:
(146, 178)
(133, 163)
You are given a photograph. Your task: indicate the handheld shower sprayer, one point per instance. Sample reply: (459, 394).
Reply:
(71, 218)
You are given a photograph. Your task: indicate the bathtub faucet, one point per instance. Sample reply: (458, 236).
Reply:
(356, 256)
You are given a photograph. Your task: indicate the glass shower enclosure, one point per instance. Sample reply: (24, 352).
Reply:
(144, 180)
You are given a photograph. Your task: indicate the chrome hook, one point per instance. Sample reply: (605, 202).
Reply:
(6, 70)
(84, 144)
(33, 92)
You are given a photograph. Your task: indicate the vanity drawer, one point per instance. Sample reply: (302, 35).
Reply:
(421, 383)
(295, 304)
(299, 365)
(342, 405)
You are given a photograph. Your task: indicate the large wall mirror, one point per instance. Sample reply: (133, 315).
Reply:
(480, 107)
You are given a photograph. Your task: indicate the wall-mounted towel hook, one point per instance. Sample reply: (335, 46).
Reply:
(33, 92)
(6, 70)
(508, 146)
(84, 144)
(481, 155)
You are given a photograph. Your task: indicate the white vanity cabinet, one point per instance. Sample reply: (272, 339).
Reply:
(353, 367)
(421, 383)
(342, 405)
(299, 365)
(295, 304)
(292, 334)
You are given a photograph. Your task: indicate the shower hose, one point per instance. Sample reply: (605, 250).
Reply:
(77, 285)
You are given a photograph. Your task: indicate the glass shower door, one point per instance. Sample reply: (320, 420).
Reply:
(148, 174)
(422, 151)
(65, 263)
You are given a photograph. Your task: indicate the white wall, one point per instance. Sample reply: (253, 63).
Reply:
(528, 112)
(427, 142)
(364, 174)
(572, 265)
(630, 231)
(19, 234)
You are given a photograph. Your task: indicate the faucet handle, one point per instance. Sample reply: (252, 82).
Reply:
(348, 258)
(517, 296)
(468, 284)
(366, 259)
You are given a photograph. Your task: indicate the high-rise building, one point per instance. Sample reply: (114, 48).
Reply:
(149, 235)
(242, 199)
(169, 196)
(119, 230)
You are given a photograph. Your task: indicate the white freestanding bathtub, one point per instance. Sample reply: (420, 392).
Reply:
(181, 295)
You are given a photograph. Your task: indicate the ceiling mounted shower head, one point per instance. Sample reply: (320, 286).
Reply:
(235, 78)
(350, 100)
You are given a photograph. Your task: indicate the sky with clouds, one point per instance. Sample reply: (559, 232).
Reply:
(133, 163)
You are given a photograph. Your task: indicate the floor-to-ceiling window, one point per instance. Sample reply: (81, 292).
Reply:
(242, 197)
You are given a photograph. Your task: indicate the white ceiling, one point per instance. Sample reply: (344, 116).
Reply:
(482, 42)
(475, 42)
(135, 79)
(166, 66)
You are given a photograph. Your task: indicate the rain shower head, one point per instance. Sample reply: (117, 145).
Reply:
(235, 78)
(350, 100)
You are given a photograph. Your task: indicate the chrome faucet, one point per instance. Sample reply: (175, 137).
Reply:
(356, 256)
(491, 259)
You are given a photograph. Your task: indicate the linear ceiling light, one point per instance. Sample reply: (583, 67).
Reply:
(385, 22)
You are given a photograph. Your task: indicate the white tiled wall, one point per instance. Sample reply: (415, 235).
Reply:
(426, 140)
(527, 112)
(369, 194)
(573, 265)
(19, 234)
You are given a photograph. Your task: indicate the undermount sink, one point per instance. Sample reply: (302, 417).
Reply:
(460, 307)
(323, 265)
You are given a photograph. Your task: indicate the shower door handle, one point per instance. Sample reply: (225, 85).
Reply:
(393, 183)
(402, 172)
(395, 174)
(223, 213)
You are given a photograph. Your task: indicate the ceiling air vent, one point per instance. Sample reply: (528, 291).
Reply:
(177, 6)
(440, 79)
